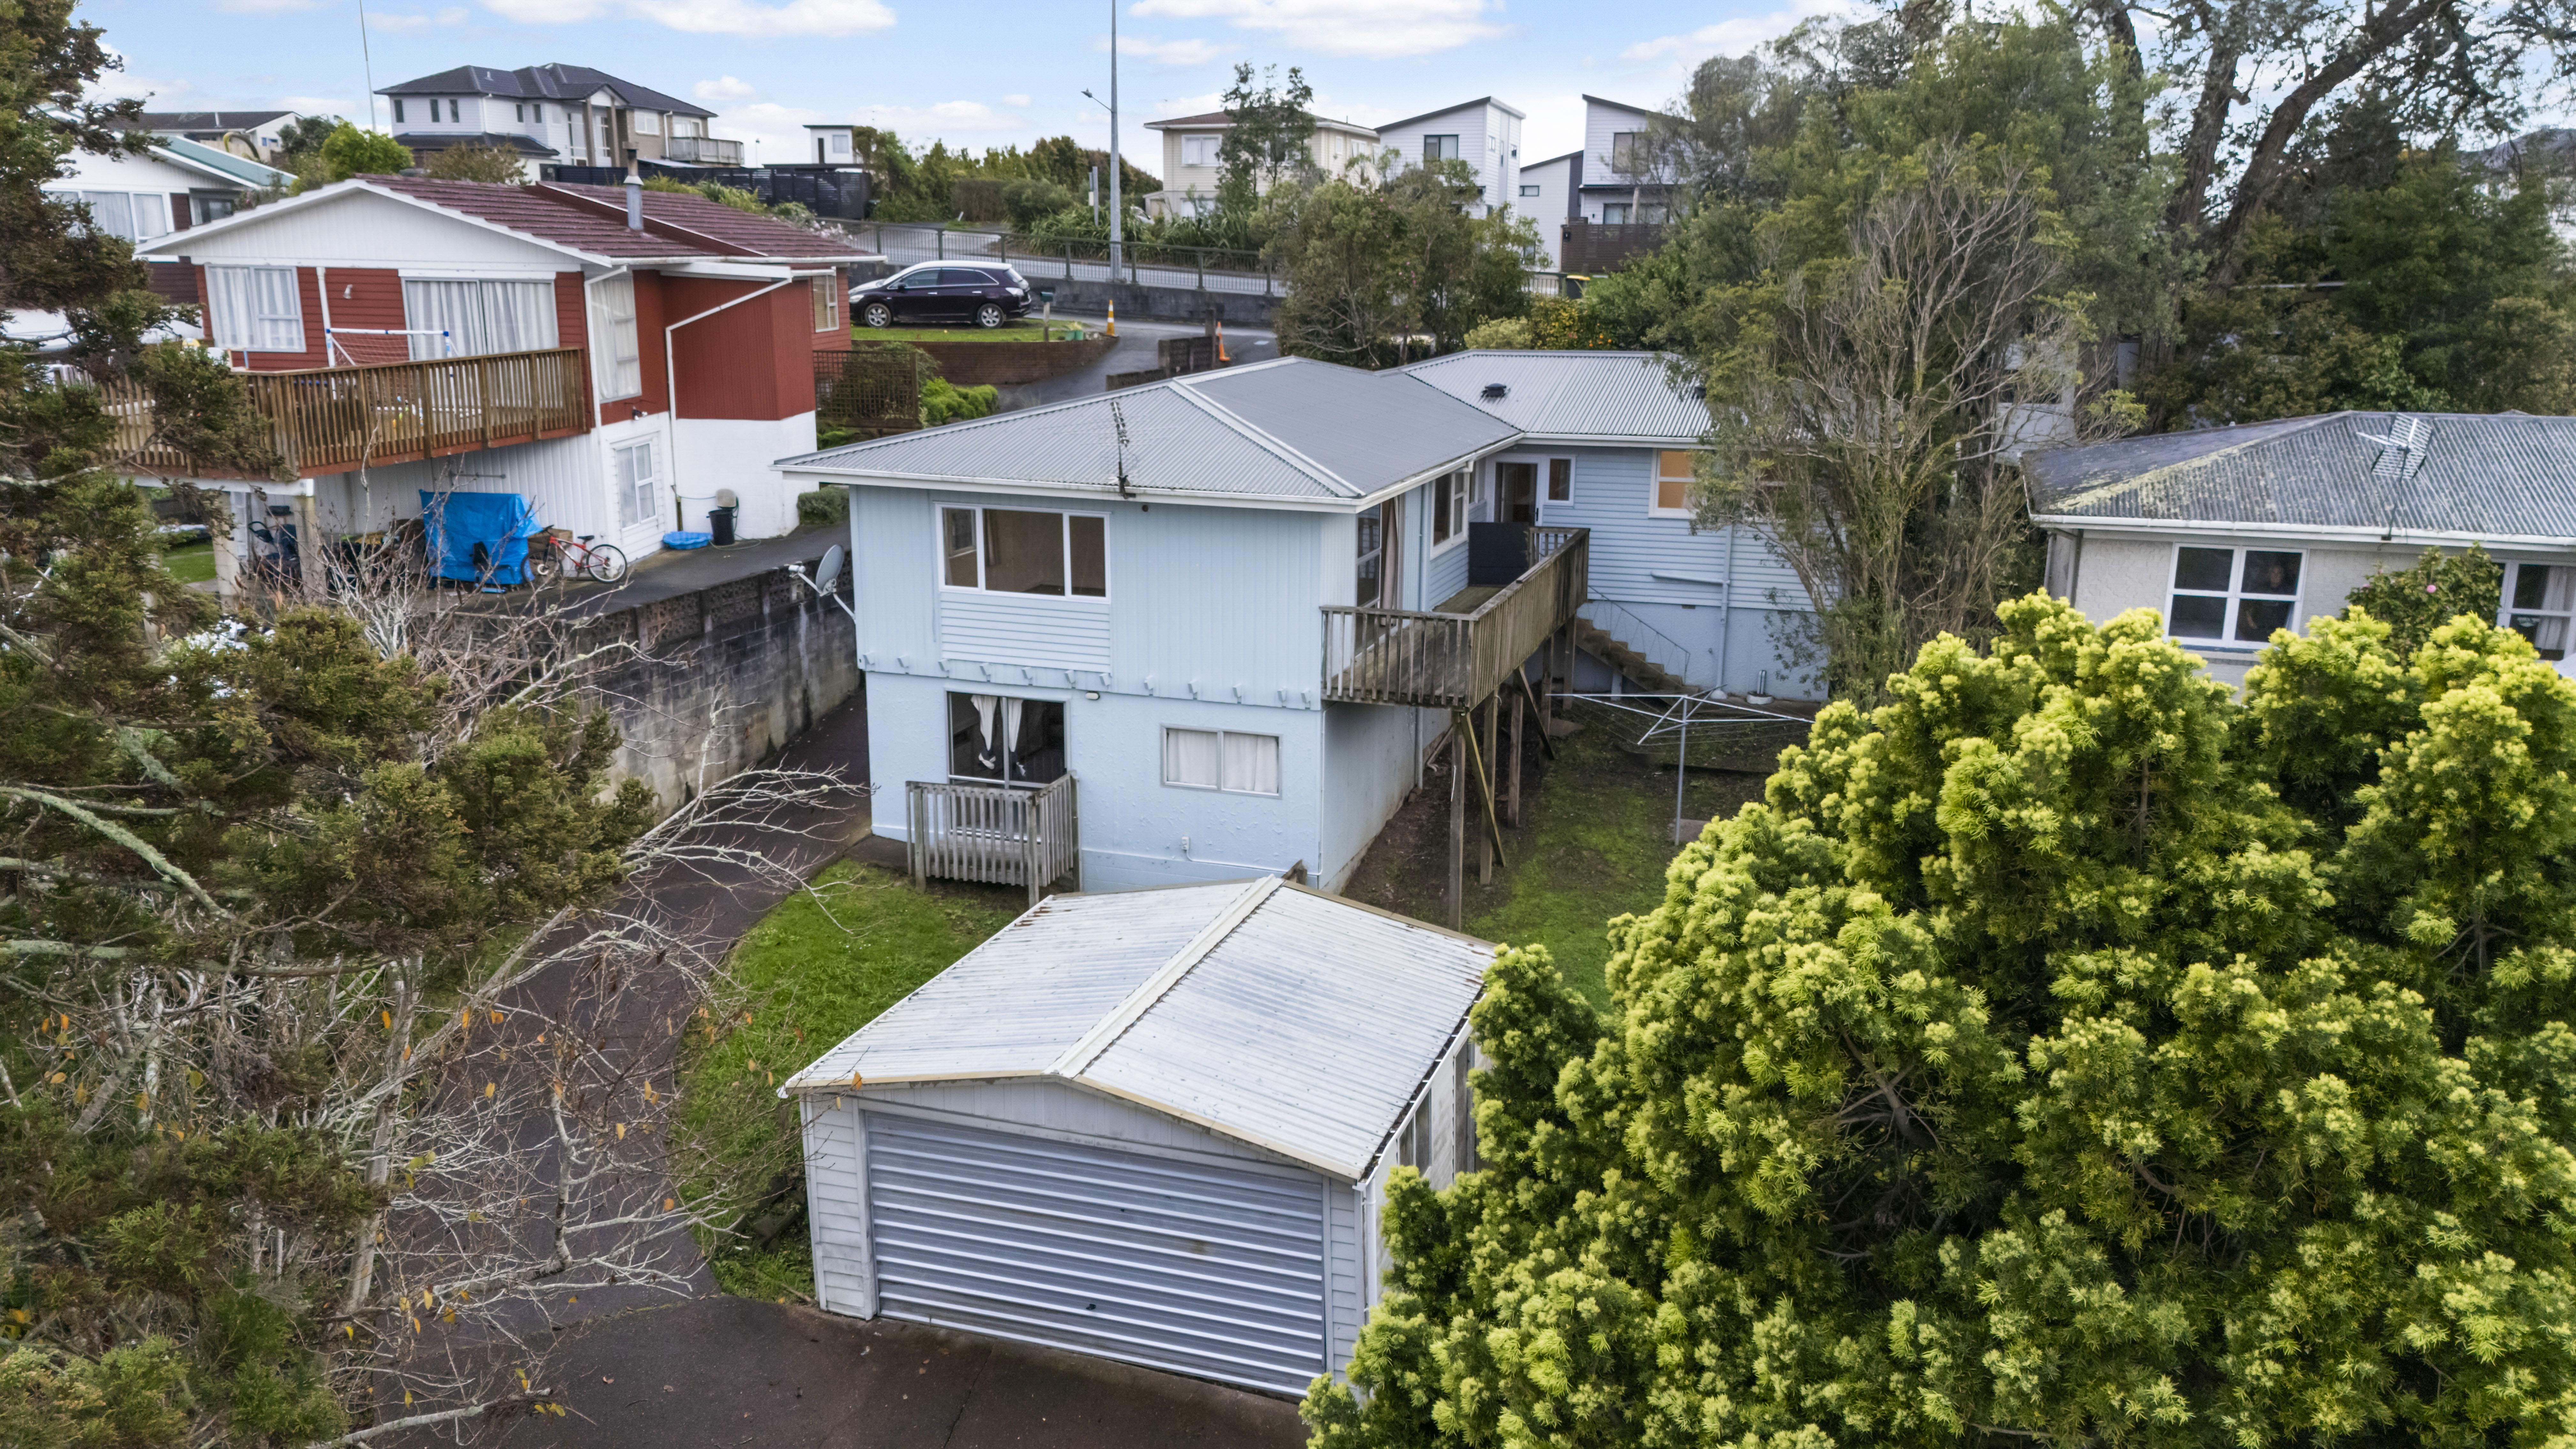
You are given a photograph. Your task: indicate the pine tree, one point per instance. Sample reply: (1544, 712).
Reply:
(2064, 1051)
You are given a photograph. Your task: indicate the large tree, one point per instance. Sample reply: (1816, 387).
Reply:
(1381, 270)
(2064, 1051)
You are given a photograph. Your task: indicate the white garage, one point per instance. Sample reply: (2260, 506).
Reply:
(1154, 1126)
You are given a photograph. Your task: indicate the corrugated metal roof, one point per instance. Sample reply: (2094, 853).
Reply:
(1305, 1027)
(249, 173)
(1294, 428)
(1612, 397)
(2493, 475)
(1013, 1004)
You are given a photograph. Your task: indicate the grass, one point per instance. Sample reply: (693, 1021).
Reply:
(1026, 331)
(192, 563)
(820, 966)
(1595, 839)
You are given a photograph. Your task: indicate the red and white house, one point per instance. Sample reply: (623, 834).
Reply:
(615, 356)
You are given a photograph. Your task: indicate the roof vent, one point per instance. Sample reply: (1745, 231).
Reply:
(1495, 392)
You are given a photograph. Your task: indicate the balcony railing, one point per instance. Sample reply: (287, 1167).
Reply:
(331, 420)
(702, 151)
(1454, 661)
(995, 834)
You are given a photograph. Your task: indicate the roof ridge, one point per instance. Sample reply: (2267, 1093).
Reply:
(1263, 438)
(1087, 1048)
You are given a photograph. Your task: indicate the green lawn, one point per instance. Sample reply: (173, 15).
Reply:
(193, 563)
(1025, 331)
(817, 968)
(1595, 840)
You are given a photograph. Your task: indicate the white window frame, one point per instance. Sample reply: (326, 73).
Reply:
(939, 552)
(616, 343)
(1655, 478)
(259, 325)
(1450, 152)
(1205, 147)
(648, 123)
(1461, 510)
(398, 110)
(828, 298)
(2506, 613)
(1530, 189)
(639, 503)
(2234, 594)
(1220, 787)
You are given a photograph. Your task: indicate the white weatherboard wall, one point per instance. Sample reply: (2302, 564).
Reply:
(734, 453)
(356, 223)
(1547, 208)
(1601, 123)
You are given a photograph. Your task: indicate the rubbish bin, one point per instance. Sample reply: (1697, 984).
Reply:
(720, 523)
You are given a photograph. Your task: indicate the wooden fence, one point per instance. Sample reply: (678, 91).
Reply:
(1589, 248)
(330, 420)
(995, 834)
(1453, 661)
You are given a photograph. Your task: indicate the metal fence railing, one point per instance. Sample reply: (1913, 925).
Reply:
(1042, 259)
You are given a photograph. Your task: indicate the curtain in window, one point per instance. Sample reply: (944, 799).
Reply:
(1190, 757)
(616, 358)
(1252, 763)
(255, 309)
(479, 318)
(994, 750)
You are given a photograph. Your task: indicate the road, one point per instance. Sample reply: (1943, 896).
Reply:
(904, 244)
(1134, 353)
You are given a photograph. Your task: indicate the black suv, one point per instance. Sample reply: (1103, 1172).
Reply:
(984, 293)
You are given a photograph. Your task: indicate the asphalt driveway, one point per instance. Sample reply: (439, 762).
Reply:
(729, 1371)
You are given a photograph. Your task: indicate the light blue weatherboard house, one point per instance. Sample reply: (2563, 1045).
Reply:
(1236, 608)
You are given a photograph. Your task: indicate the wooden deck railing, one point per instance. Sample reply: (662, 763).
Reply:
(995, 834)
(1453, 661)
(330, 420)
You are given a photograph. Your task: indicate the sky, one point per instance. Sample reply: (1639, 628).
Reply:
(995, 73)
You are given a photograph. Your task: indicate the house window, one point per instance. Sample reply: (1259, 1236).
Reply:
(1022, 551)
(1517, 486)
(2233, 595)
(1560, 480)
(519, 111)
(1614, 213)
(1448, 507)
(1439, 148)
(477, 319)
(203, 208)
(1623, 152)
(398, 110)
(455, 111)
(1010, 741)
(636, 500)
(255, 309)
(2541, 600)
(827, 302)
(1376, 580)
(648, 123)
(616, 355)
(1528, 190)
(135, 216)
(1198, 150)
(1672, 485)
(1225, 760)
(840, 143)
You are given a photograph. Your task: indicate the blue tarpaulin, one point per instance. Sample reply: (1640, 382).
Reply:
(477, 537)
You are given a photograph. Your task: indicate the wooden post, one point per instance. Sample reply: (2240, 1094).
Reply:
(308, 548)
(1493, 720)
(1514, 786)
(1457, 819)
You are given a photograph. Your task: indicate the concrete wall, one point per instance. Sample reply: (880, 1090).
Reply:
(969, 363)
(1158, 304)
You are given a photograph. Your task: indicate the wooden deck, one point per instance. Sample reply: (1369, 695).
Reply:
(1444, 660)
(336, 419)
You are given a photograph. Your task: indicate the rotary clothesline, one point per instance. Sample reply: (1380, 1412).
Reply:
(1672, 715)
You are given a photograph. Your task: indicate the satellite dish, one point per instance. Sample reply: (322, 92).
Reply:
(829, 570)
(725, 498)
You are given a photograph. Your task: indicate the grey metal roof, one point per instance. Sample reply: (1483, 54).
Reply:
(1610, 397)
(2493, 476)
(553, 81)
(1272, 1014)
(1290, 429)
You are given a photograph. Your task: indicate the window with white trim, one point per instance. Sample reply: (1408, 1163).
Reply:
(398, 110)
(2540, 605)
(1024, 551)
(477, 318)
(616, 354)
(1005, 739)
(1528, 190)
(1449, 495)
(137, 216)
(1439, 148)
(255, 309)
(827, 302)
(2233, 595)
(648, 123)
(1198, 150)
(1226, 760)
(1673, 471)
(638, 496)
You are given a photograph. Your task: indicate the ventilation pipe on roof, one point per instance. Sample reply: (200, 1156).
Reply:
(634, 199)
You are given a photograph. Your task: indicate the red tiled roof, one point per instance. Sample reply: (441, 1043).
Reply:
(593, 219)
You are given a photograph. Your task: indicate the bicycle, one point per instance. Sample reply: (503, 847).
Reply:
(575, 557)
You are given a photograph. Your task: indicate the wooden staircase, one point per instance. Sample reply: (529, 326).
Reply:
(1633, 666)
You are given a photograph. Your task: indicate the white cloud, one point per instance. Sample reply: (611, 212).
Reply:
(1366, 28)
(1167, 52)
(774, 132)
(710, 17)
(925, 122)
(725, 88)
(415, 24)
(1737, 35)
(1554, 127)
(1017, 103)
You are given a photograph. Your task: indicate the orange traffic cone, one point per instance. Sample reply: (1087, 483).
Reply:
(1221, 359)
(1113, 319)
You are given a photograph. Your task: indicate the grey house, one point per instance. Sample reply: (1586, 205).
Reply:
(1154, 1126)
(2232, 533)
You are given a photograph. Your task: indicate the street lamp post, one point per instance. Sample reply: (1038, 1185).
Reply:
(1117, 209)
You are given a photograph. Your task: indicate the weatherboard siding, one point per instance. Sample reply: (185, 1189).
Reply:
(1064, 634)
(835, 1198)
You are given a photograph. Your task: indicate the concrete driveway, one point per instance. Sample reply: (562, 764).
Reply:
(732, 1371)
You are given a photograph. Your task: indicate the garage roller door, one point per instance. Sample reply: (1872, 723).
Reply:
(1201, 1270)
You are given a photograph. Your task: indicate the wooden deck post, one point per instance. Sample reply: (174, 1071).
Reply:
(1493, 721)
(308, 549)
(1458, 727)
(1514, 785)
